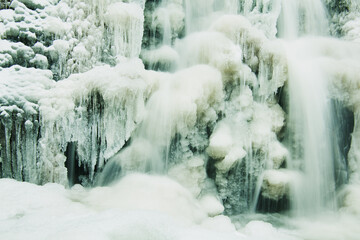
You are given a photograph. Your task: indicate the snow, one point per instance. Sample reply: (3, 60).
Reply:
(349, 198)
(134, 191)
(33, 4)
(210, 48)
(39, 61)
(55, 26)
(278, 153)
(211, 205)
(125, 21)
(163, 58)
(107, 213)
(276, 184)
(51, 211)
(261, 54)
(169, 17)
(220, 142)
(190, 174)
(260, 230)
(211, 124)
(21, 90)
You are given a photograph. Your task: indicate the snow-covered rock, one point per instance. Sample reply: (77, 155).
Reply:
(276, 184)
(21, 90)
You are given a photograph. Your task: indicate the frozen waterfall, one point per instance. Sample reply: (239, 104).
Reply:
(180, 119)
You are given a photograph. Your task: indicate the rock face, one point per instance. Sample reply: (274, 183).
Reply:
(93, 90)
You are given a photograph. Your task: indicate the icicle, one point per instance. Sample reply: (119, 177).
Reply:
(125, 27)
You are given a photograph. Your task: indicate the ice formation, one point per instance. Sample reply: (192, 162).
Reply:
(182, 111)
(21, 89)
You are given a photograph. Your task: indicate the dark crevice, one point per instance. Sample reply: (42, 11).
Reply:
(267, 205)
(75, 170)
(343, 126)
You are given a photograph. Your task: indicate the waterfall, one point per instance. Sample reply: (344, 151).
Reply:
(310, 117)
(180, 119)
(309, 110)
(299, 18)
(310, 122)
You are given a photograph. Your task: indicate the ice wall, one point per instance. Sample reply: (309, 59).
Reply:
(192, 89)
(61, 36)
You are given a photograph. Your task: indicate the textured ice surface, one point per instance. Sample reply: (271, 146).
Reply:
(98, 110)
(20, 91)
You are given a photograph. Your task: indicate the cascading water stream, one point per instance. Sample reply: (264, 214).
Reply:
(302, 17)
(310, 117)
(297, 18)
(310, 122)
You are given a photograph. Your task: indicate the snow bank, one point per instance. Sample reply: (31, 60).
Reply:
(134, 191)
(126, 210)
(260, 230)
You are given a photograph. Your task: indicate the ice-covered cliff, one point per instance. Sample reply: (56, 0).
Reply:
(252, 104)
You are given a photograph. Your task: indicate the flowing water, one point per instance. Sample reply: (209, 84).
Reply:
(181, 120)
(310, 120)
(309, 109)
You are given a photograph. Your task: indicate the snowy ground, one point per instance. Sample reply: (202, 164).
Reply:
(145, 207)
